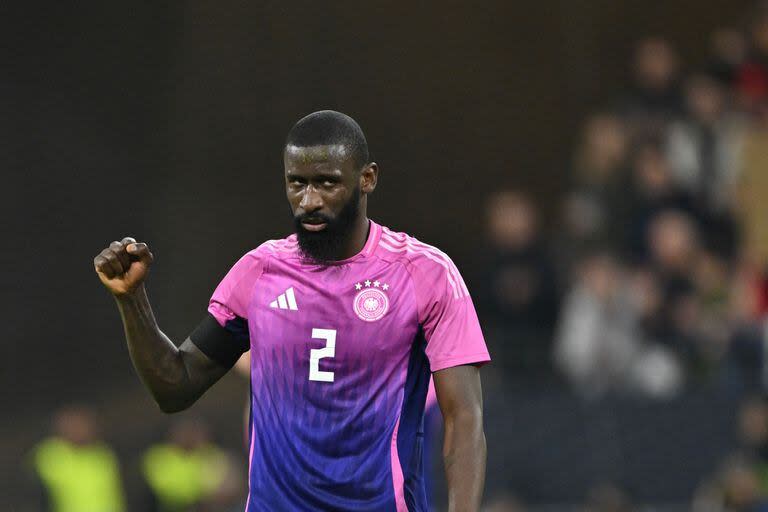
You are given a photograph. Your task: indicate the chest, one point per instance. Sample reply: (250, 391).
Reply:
(354, 312)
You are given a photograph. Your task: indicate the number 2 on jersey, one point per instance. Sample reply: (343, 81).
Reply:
(316, 354)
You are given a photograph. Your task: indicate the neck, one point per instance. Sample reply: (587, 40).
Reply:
(357, 237)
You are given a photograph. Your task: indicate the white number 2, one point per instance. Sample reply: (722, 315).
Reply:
(316, 354)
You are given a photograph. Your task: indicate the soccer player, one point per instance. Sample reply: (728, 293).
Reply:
(345, 321)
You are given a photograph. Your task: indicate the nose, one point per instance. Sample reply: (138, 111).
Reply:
(311, 200)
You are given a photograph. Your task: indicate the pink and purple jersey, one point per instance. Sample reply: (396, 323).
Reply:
(341, 356)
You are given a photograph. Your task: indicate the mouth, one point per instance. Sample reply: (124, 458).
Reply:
(314, 225)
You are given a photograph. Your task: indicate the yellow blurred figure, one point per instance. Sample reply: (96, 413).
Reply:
(186, 470)
(79, 472)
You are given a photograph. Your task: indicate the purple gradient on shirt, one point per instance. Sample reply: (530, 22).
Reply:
(319, 445)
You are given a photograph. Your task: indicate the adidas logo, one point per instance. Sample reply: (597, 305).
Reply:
(285, 300)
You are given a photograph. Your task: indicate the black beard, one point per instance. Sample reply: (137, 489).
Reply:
(325, 246)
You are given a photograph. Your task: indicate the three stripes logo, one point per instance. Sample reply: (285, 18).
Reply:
(285, 300)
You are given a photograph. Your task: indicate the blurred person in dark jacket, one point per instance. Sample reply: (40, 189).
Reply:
(592, 210)
(601, 155)
(183, 472)
(673, 248)
(652, 191)
(78, 471)
(518, 290)
(654, 97)
(728, 52)
(696, 318)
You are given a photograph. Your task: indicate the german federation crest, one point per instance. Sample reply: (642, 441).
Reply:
(371, 302)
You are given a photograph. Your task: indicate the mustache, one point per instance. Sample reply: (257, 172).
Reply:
(313, 217)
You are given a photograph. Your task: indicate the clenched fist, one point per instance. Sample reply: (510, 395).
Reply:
(123, 266)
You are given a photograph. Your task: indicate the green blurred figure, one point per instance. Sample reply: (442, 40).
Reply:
(77, 470)
(184, 472)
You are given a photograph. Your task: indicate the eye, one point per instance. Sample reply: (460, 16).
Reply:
(295, 182)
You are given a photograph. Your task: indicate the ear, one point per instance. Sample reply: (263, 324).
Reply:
(369, 176)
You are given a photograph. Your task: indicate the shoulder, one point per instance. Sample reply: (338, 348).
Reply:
(250, 267)
(49, 447)
(280, 248)
(274, 248)
(428, 265)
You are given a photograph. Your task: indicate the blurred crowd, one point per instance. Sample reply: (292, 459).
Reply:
(653, 279)
(76, 470)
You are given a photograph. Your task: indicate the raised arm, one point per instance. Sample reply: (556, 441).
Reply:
(461, 403)
(176, 377)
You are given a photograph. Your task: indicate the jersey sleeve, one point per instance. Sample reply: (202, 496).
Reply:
(223, 335)
(447, 315)
(229, 301)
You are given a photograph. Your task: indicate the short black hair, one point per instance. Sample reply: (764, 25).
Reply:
(328, 127)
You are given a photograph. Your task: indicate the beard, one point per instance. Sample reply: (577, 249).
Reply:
(324, 246)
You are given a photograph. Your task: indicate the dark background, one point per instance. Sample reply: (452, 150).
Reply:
(165, 122)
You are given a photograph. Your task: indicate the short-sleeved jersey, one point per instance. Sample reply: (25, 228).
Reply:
(341, 356)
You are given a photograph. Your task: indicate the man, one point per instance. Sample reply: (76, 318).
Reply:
(345, 320)
(185, 471)
(76, 468)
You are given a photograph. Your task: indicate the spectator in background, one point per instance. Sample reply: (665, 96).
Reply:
(228, 495)
(78, 471)
(601, 346)
(652, 192)
(702, 148)
(729, 51)
(742, 490)
(592, 211)
(703, 144)
(673, 248)
(654, 98)
(184, 472)
(693, 315)
(601, 155)
(752, 76)
(518, 292)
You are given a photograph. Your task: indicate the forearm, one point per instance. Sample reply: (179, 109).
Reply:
(159, 363)
(464, 454)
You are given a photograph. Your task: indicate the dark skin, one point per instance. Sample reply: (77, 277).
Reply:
(318, 179)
